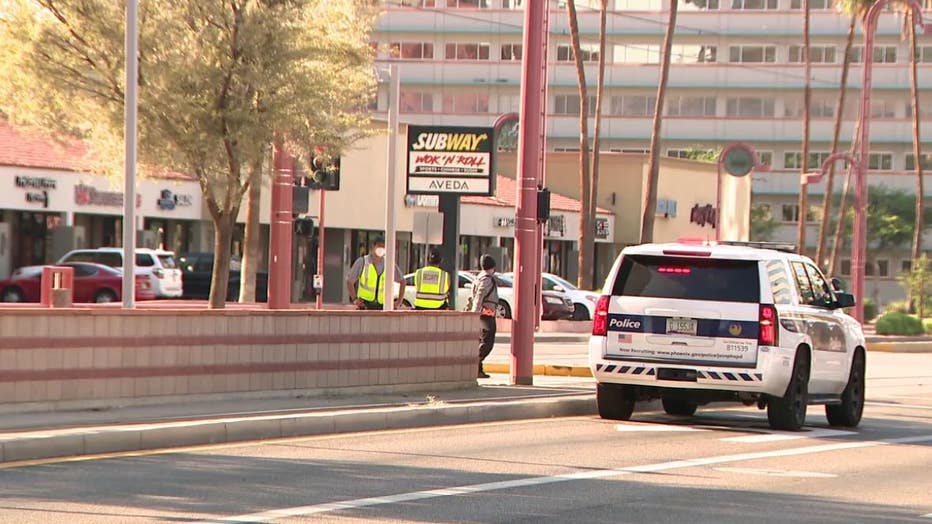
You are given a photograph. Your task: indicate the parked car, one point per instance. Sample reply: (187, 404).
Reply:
(197, 274)
(583, 301)
(92, 283)
(555, 305)
(156, 264)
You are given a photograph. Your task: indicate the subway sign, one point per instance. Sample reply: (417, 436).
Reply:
(450, 160)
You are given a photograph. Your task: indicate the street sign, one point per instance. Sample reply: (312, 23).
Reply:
(450, 160)
(739, 161)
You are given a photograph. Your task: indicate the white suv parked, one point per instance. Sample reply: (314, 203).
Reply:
(159, 265)
(693, 323)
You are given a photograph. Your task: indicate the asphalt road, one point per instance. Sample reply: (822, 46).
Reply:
(724, 465)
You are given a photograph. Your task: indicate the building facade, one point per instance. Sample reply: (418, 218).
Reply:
(737, 75)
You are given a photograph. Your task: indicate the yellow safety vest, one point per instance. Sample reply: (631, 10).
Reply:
(431, 285)
(371, 285)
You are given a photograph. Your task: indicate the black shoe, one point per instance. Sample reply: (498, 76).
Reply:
(483, 374)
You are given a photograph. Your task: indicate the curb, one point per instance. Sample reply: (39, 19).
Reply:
(506, 339)
(552, 370)
(74, 442)
(924, 346)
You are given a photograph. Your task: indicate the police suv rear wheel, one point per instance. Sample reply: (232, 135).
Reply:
(789, 411)
(615, 402)
(848, 413)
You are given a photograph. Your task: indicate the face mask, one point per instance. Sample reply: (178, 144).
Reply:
(380, 251)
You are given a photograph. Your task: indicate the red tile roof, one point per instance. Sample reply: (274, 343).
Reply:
(506, 195)
(27, 147)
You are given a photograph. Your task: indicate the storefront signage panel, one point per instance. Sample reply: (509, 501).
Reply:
(169, 200)
(37, 189)
(449, 160)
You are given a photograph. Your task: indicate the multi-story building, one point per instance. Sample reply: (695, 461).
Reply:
(737, 75)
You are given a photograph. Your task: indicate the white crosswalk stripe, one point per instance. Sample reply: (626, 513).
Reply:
(647, 427)
(785, 435)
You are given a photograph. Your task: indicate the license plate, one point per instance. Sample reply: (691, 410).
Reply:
(681, 326)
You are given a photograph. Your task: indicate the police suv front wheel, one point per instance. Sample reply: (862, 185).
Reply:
(848, 413)
(615, 402)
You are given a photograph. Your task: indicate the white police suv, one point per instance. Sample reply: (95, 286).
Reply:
(697, 322)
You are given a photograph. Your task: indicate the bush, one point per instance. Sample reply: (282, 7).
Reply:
(927, 325)
(870, 310)
(895, 306)
(895, 323)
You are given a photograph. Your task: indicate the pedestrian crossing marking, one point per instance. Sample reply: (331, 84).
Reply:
(777, 472)
(645, 428)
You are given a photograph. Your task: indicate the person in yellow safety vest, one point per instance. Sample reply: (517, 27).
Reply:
(432, 284)
(366, 280)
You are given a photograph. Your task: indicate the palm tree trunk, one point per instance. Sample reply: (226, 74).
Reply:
(596, 140)
(585, 182)
(917, 145)
(653, 166)
(807, 98)
(841, 227)
(836, 134)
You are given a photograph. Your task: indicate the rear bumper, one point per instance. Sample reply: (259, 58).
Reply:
(770, 376)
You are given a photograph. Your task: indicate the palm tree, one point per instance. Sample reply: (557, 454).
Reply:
(836, 135)
(807, 99)
(596, 147)
(586, 234)
(917, 146)
(653, 166)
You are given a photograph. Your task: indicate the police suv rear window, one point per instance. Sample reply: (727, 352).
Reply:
(688, 278)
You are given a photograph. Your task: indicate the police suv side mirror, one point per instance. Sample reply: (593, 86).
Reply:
(837, 285)
(844, 300)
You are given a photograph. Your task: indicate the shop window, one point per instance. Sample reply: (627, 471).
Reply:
(845, 267)
(883, 268)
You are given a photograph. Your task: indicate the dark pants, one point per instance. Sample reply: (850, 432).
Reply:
(371, 305)
(486, 337)
(441, 308)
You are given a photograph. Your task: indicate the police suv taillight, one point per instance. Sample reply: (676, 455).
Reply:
(600, 318)
(769, 326)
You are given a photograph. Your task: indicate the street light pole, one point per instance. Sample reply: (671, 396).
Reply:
(130, 110)
(859, 243)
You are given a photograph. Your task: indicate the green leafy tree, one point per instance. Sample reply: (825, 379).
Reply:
(918, 283)
(219, 81)
(890, 218)
(763, 224)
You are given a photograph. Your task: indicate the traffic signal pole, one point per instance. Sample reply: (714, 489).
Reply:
(530, 172)
(320, 249)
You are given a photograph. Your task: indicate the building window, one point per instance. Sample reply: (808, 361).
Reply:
(589, 53)
(793, 160)
(924, 54)
(911, 161)
(906, 266)
(633, 105)
(884, 54)
(752, 53)
(753, 4)
(570, 149)
(880, 161)
(467, 51)
(636, 54)
(466, 103)
(749, 107)
(511, 52)
(699, 5)
(569, 104)
(632, 150)
(692, 54)
(513, 4)
(883, 268)
(813, 4)
(691, 106)
(468, 4)
(883, 109)
(591, 4)
(412, 50)
(845, 267)
(688, 154)
(818, 108)
(790, 213)
(416, 102)
(818, 54)
(418, 3)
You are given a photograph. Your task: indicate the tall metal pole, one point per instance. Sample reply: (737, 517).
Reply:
(529, 174)
(389, 273)
(320, 248)
(129, 137)
(859, 243)
(281, 229)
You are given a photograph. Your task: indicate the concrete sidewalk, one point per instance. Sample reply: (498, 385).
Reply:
(54, 434)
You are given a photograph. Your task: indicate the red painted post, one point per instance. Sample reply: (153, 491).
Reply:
(282, 227)
(320, 249)
(530, 168)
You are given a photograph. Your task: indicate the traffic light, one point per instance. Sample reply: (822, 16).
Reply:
(325, 173)
(304, 226)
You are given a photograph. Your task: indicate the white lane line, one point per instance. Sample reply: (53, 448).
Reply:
(929, 516)
(795, 435)
(647, 427)
(896, 405)
(328, 507)
(777, 472)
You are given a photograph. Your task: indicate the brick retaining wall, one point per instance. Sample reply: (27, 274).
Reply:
(94, 355)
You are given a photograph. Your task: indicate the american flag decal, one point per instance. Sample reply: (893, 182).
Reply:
(624, 338)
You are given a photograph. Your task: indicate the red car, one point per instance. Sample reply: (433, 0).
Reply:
(92, 283)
